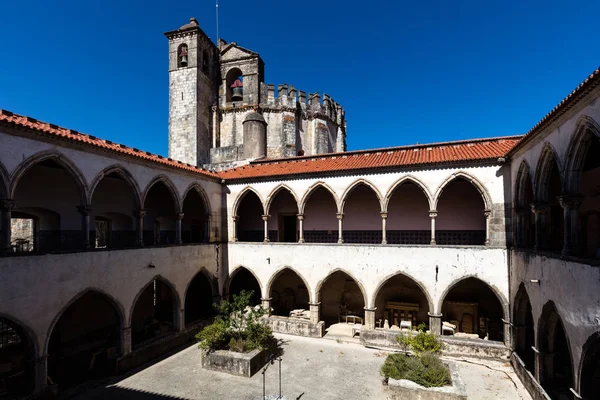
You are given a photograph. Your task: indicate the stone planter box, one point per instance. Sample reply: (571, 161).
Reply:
(234, 363)
(404, 389)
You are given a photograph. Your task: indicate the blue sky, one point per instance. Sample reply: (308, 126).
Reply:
(405, 72)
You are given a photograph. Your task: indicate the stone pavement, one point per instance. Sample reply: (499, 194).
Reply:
(311, 369)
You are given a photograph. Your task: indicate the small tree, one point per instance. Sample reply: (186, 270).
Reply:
(238, 327)
(422, 342)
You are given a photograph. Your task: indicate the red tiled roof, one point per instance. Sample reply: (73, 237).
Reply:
(580, 91)
(426, 154)
(43, 128)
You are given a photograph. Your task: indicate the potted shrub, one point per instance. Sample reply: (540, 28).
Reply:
(421, 372)
(238, 341)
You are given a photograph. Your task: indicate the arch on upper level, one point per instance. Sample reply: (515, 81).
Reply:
(4, 182)
(314, 187)
(408, 179)
(356, 184)
(278, 189)
(196, 222)
(59, 159)
(586, 135)
(485, 195)
(196, 186)
(523, 197)
(548, 167)
(241, 195)
(164, 180)
(124, 174)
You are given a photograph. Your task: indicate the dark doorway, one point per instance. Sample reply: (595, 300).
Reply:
(288, 229)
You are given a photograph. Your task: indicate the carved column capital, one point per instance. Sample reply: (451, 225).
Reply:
(432, 213)
(539, 208)
(85, 210)
(139, 213)
(300, 217)
(570, 201)
(180, 216)
(384, 215)
(265, 217)
(7, 205)
(340, 216)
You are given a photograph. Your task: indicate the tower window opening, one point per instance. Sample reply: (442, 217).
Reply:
(235, 85)
(182, 56)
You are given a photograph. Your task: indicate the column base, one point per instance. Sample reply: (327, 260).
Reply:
(432, 242)
(340, 241)
(266, 241)
(384, 241)
(301, 241)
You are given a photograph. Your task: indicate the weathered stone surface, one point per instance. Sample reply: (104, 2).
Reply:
(533, 387)
(242, 364)
(296, 326)
(404, 389)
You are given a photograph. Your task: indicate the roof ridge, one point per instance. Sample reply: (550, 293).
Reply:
(386, 149)
(58, 131)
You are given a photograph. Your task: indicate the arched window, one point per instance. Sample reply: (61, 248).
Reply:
(182, 56)
(234, 82)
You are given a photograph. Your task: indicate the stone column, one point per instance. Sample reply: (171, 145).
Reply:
(540, 211)
(435, 323)
(266, 219)
(508, 337)
(370, 318)
(216, 125)
(301, 228)
(126, 340)
(235, 221)
(537, 363)
(432, 215)
(41, 374)
(340, 217)
(266, 304)
(315, 312)
(139, 215)
(384, 216)
(85, 212)
(487, 214)
(178, 229)
(179, 320)
(6, 207)
(519, 230)
(570, 205)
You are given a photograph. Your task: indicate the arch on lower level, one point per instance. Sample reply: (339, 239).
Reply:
(401, 298)
(589, 375)
(340, 294)
(288, 290)
(241, 279)
(475, 307)
(523, 328)
(556, 360)
(18, 350)
(200, 296)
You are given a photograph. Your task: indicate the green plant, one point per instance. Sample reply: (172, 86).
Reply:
(238, 327)
(422, 342)
(426, 370)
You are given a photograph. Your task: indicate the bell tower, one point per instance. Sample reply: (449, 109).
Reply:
(194, 79)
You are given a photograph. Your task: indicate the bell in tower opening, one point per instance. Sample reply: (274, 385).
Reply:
(237, 93)
(182, 55)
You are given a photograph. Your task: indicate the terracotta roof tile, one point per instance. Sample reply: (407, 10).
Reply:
(435, 153)
(52, 130)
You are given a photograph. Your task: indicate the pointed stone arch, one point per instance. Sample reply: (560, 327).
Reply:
(355, 184)
(4, 182)
(280, 271)
(523, 328)
(522, 180)
(176, 296)
(123, 173)
(237, 270)
(241, 196)
(418, 283)
(120, 310)
(170, 186)
(312, 189)
(543, 171)
(501, 298)
(241, 269)
(198, 298)
(589, 367)
(200, 190)
(212, 279)
(58, 158)
(275, 192)
(406, 179)
(485, 195)
(586, 131)
(319, 285)
(23, 367)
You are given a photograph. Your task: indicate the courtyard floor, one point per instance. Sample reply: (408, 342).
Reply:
(311, 369)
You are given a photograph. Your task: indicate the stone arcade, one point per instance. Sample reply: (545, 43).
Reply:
(112, 255)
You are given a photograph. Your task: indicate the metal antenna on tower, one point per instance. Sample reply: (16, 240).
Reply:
(217, 8)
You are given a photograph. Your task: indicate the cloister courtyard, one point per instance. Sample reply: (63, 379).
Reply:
(310, 369)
